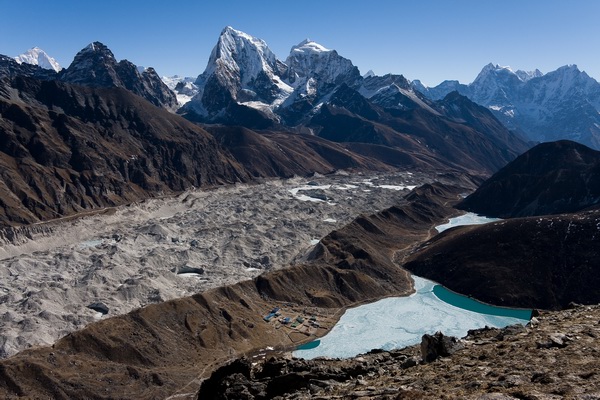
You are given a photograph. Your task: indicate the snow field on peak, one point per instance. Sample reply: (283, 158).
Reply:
(39, 57)
(309, 46)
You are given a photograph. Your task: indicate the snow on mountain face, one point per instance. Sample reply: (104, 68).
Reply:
(527, 75)
(562, 104)
(492, 85)
(312, 60)
(241, 69)
(183, 87)
(37, 56)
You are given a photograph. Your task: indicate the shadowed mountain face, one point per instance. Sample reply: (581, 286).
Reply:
(456, 132)
(66, 149)
(551, 178)
(543, 262)
(272, 153)
(96, 66)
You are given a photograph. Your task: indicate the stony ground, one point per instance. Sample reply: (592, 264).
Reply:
(557, 356)
(162, 249)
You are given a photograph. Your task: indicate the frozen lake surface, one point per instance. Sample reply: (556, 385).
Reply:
(399, 322)
(466, 219)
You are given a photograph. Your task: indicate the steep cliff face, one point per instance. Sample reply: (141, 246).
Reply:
(241, 69)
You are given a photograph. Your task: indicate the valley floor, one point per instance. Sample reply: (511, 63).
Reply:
(162, 249)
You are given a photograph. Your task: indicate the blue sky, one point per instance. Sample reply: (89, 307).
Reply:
(427, 40)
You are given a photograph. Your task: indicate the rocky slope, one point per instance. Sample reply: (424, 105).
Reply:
(482, 144)
(556, 356)
(551, 178)
(68, 148)
(96, 66)
(10, 68)
(164, 349)
(561, 104)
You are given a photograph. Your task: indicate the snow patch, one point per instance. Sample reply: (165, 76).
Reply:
(466, 219)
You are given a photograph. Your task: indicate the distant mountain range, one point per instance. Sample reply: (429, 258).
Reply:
(243, 71)
(313, 112)
(562, 104)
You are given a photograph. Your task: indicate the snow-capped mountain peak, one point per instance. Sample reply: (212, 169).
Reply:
(310, 59)
(241, 54)
(560, 104)
(37, 56)
(309, 46)
(497, 70)
(371, 73)
(242, 69)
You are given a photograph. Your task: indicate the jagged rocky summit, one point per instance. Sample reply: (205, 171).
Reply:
(244, 80)
(96, 66)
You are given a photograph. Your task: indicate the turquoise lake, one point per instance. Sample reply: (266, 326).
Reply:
(401, 321)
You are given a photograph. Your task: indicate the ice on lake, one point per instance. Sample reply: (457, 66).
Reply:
(466, 219)
(399, 322)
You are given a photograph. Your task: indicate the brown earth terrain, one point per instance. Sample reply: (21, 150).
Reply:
(67, 149)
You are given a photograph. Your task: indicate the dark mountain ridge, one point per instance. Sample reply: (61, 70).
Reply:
(551, 178)
(535, 262)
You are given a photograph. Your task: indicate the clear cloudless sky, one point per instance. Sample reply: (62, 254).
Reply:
(431, 40)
